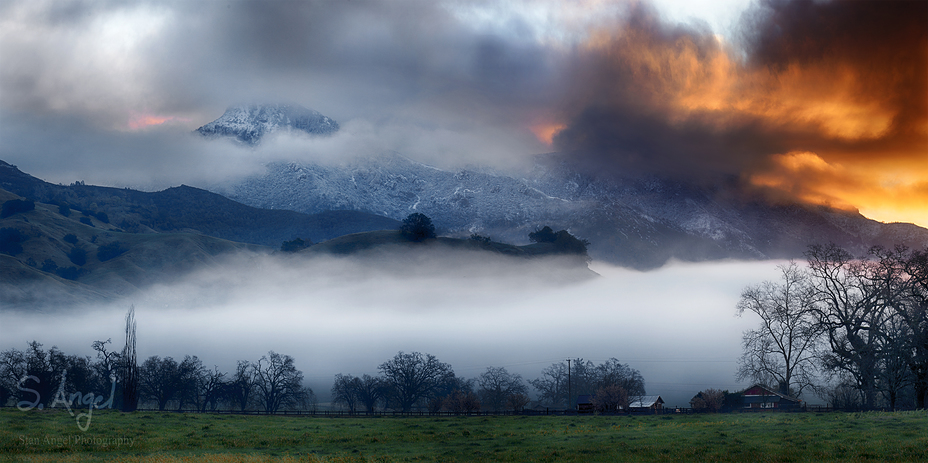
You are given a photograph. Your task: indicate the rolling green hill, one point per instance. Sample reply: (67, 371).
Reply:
(186, 208)
(48, 258)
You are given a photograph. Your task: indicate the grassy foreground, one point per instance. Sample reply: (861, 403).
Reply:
(53, 435)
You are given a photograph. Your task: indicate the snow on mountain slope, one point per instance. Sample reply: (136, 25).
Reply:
(638, 222)
(250, 123)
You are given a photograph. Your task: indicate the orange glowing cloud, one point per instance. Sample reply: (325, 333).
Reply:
(545, 132)
(840, 122)
(142, 121)
(884, 194)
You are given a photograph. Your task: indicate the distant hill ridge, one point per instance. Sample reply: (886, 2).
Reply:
(84, 244)
(186, 208)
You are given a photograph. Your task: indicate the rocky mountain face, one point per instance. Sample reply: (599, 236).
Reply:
(640, 223)
(248, 124)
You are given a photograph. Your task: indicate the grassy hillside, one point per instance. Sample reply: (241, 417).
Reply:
(49, 258)
(186, 208)
(52, 435)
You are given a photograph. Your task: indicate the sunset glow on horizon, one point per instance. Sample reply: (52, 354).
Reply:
(142, 121)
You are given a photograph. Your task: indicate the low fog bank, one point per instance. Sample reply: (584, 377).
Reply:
(676, 325)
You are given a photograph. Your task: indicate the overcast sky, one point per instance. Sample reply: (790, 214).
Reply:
(817, 101)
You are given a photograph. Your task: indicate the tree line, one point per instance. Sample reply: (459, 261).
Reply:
(408, 381)
(852, 329)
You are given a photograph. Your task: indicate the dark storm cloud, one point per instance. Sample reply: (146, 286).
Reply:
(884, 42)
(844, 79)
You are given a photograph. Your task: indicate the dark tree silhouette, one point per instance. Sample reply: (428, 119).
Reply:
(15, 206)
(850, 309)
(10, 239)
(497, 386)
(544, 235)
(345, 391)
(782, 351)
(78, 256)
(129, 366)
(417, 227)
(110, 251)
(610, 399)
(278, 382)
(160, 380)
(412, 377)
(242, 385)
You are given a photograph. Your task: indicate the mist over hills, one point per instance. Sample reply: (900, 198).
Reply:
(66, 246)
(635, 222)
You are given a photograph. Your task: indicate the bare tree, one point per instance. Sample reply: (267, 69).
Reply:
(279, 383)
(852, 308)
(12, 370)
(517, 402)
(159, 380)
(461, 402)
(912, 307)
(614, 373)
(345, 391)
(131, 387)
(552, 385)
(610, 399)
(585, 378)
(190, 373)
(242, 385)
(782, 351)
(412, 377)
(710, 400)
(496, 386)
(210, 387)
(370, 391)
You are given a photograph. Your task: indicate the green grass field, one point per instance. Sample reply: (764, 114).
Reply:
(174, 437)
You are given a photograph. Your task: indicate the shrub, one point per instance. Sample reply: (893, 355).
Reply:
(70, 238)
(9, 241)
(78, 256)
(545, 235)
(15, 206)
(101, 216)
(417, 227)
(64, 209)
(110, 251)
(68, 273)
(86, 221)
(480, 238)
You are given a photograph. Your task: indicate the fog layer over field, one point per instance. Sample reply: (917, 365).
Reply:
(677, 325)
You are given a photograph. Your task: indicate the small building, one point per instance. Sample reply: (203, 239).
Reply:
(646, 403)
(760, 396)
(584, 404)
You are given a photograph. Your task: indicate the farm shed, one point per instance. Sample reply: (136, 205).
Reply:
(653, 403)
(760, 396)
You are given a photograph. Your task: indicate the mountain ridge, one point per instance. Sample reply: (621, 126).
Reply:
(640, 222)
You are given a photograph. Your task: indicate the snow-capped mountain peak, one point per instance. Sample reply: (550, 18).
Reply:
(249, 123)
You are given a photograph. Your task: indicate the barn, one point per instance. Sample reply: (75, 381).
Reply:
(760, 396)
